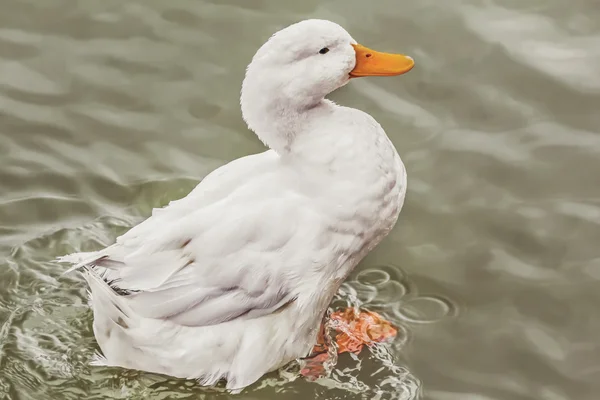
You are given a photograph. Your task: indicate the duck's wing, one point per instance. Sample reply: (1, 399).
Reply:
(242, 256)
(226, 261)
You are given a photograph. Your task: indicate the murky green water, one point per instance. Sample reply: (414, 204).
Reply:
(109, 108)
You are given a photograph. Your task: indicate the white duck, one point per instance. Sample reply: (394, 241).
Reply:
(232, 281)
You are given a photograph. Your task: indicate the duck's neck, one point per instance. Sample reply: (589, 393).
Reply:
(276, 114)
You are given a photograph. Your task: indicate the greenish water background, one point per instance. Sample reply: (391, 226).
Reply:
(109, 108)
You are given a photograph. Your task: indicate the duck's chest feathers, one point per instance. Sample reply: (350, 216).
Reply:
(364, 195)
(349, 164)
(369, 204)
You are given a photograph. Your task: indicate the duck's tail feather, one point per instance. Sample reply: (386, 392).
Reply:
(106, 302)
(81, 259)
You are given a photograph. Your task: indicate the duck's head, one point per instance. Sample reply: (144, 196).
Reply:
(301, 64)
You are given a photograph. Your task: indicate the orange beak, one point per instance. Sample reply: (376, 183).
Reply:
(373, 63)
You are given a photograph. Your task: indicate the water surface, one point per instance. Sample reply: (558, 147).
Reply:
(110, 108)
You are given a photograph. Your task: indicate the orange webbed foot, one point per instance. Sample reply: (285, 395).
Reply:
(355, 329)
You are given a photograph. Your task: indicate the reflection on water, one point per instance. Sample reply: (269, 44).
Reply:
(108, 109)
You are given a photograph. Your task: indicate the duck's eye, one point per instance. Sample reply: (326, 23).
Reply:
(324, 50)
